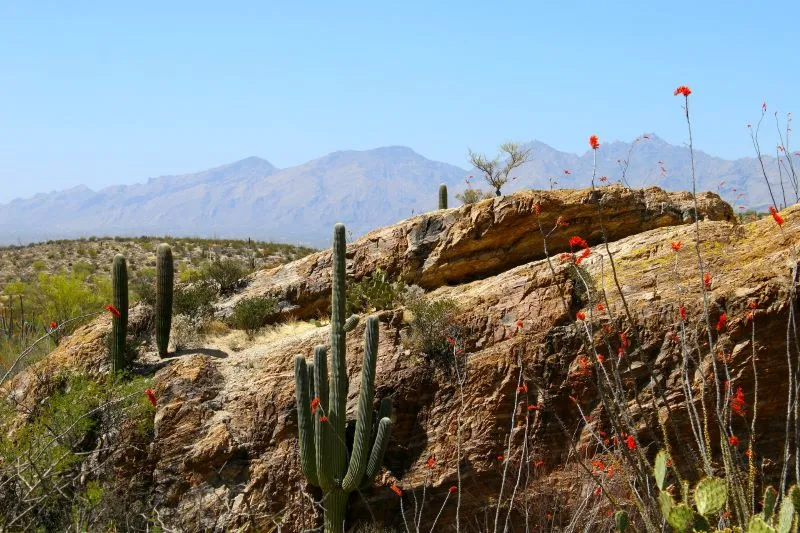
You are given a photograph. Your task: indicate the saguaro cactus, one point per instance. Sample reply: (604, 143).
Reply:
(442, 196)
(164, 280)
(119, 324)
(322, 415)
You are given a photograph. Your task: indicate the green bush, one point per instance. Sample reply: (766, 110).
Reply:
(374, 293)
(252, 314)
(195, 300)
(226, 273)
(142, 285)
(432, 322)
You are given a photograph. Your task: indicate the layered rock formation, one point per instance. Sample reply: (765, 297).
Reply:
(225, 447)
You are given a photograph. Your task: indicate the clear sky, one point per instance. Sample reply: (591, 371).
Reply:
(103, 93)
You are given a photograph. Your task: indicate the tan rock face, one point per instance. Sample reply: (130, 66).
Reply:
(474, 241)
(225, 448)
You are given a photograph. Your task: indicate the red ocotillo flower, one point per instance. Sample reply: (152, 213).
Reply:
(396, 490)
(113, 310)
(594, 142)
(733, 440)
(537, 207)
(314, 405)
(737, 402)
(684, 90)
(577, 242)
(682, 311)
(630, 442)
(323, 418)
(431, 462)
(520, 324)
(539, 463)
(601, 307)
(500, 458)
(580, 315)
(676, 245)
(53, 325)
(776, 216)
(523, 388)
(452, 489)
(151, 396)
(584, 254)
(707, 280)
(723, 320)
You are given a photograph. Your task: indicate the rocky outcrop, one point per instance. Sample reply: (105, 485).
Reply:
(474, 241)
(225, 447)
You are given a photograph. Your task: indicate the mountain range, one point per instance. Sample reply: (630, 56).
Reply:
(364, 189)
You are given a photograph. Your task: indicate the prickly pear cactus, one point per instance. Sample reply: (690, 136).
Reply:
(119, 324)
(710, 495)
(770, 497)
(758, 525)
(660, 469)
(681, 517)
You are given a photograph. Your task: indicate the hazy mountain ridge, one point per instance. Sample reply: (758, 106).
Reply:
(364, 189)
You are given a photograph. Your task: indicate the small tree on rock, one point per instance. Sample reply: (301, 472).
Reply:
(496, 172)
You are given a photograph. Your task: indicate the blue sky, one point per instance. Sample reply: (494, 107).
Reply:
(102, 93)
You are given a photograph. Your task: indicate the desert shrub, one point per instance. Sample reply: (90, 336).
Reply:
(143, 286)
(252, 314)
(226, 273)
(50, 451)
(185, 332)
(376, 292)
(432, 322)
(194, 300)
(471, 196)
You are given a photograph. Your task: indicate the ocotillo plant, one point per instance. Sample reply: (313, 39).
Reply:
(164, 280)
(119, 324)
(322, 415)
(442, 196)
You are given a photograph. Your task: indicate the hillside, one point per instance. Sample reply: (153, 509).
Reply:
(534, 332)
(364, 189)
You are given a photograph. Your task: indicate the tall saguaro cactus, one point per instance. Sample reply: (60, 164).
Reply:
(321, 409)
(442, 196)
(164, 279)
(119, 324)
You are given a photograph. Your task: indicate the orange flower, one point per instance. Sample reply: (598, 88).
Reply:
(500, 458)
(113, 310)
(601, 307)
(314, 405)
(533, 407)
(323, 418)
(580, 315)
(594, 142)
(723, 320)
(684, 90)
(676, 245)
(539, 463)
(431, 462)
(630, 442)
(523, 388)
(451, 341)
(707, 280)
(520, 324)
(396, 490)
(682, 311)
(776, 216)
(752, 304)
(733, 440)
(53, 325)
(150, 396)
(584, 254)
(577, 242)
(623, 339)
(600, 358)
(598, 490)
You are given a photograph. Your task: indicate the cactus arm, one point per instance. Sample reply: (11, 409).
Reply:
(311, 392)
(361, 441)
(305, 425)
(378, 449)
(322, 430)
(337, 458)
(442, 196)
(165, 273)
(119, 325)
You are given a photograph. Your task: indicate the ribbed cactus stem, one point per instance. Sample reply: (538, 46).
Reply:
(442, 196)
(165, 274)
(321, 428)
(119, 324)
